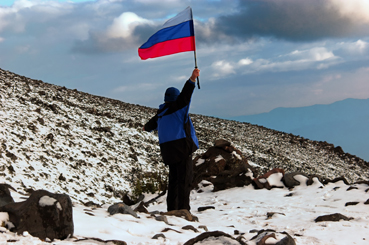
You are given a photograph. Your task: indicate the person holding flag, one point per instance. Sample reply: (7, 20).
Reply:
(177, 137)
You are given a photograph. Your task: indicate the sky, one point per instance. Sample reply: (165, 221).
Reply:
(254, 55)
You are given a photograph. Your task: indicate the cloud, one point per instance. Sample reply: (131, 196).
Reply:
(296, 20)
(244, 62)
(354, 49)
(222, 68)
(124, 25)
(297, 60)
(124, 33)
(357, 10)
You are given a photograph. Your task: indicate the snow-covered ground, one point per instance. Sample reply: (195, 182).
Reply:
(237, 211)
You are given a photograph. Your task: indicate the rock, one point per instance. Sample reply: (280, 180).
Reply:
(280, 238)
(352, 188)
(183, 213)
(94, 240)
(310, 181)
(290, 181)
(268, 182)
(223, 166)
(351, 204)
(335, 180)
(190, 227)
(332, 217)
(170, 229)
(91, 204)
(157, 236)
(43, 215)
(271, 214)
(216, 235)
(221, 143)
(162, 218)
(127, 199)
(5, 196)
(141, 208)
(203, 227)
(200, 209)
(121, 208)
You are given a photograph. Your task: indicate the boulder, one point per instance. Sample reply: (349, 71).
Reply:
(5, 197)
(224, 166)
(43, 215)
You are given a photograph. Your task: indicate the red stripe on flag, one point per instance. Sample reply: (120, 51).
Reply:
(168, 47)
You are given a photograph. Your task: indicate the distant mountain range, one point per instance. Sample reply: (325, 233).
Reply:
(343, 123)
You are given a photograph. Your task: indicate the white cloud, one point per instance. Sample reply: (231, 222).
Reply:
(361, 45)
(356, 10)
(222, 68)
(244, 62)
(311, 58)
(25, 12)
(354, 48)
(124, 25)
(313, 54)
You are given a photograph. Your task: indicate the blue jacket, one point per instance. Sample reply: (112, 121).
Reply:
(177, 137)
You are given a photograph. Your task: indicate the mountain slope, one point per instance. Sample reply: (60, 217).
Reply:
(342, 123)
(54, 135)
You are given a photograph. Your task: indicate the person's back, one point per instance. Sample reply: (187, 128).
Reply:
(177, 141)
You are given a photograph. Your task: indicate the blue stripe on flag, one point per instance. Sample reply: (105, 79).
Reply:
(184, 29)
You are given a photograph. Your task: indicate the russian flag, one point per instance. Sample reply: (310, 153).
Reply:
(177, 35)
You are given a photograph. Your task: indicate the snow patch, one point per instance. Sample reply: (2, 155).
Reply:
(200, 161)
(219, 158)
(47, 201)
(234, 153)
(250, 173)
(301, 178)
(4, 217)
(275, 180)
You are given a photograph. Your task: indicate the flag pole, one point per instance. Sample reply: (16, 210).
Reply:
(198, 81)
(194, 52)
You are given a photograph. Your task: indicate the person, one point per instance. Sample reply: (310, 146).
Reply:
(177, 140)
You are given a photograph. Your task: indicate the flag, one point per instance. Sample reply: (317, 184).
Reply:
(176, 35)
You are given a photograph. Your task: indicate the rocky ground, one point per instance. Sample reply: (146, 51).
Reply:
(55, 135)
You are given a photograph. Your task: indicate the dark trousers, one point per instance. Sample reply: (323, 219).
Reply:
(179, 187)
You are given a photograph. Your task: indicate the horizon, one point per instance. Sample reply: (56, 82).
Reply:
(254, 56)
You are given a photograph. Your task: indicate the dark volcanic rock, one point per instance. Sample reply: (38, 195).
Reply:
(121, 208)
(224, 166)
(290, 181)
(5, 197)
(43, 214)
(215, 235)
(332, 217)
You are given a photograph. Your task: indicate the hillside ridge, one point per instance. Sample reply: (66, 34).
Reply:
(62, 135)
